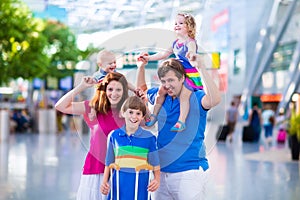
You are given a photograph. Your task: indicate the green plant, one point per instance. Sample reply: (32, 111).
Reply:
(294, 125)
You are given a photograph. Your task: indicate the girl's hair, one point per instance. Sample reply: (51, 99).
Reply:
(190, 23)
(134, 103)
(100, 101)
(171, 64)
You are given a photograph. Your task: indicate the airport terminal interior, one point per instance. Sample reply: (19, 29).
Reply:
(257, 44)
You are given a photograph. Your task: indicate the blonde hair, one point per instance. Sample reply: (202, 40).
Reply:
(190, 23)
(103, 53)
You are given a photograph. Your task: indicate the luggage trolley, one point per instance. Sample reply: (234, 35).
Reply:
(116, 167)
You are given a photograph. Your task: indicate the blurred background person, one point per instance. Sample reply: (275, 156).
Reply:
(255, 121)
(268, 116)
(231, 119)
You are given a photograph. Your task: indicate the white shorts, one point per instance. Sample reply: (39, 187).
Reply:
(89, 187)
(187, 185)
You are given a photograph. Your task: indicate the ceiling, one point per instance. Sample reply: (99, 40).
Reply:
(87, 16)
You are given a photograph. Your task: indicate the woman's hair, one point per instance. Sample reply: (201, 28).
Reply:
(100, 101)
(134, 103)
(190, 23)
(171, 64)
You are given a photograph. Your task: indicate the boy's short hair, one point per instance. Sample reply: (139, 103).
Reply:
(134, 103)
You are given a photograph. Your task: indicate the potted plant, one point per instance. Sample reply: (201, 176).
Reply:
(294, 132)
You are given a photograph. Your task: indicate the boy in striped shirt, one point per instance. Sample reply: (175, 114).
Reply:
(130, 147)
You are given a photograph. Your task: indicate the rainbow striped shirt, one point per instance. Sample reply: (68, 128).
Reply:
(130, 152)
(193, 78)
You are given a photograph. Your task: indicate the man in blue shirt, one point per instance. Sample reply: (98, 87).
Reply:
(182, 154)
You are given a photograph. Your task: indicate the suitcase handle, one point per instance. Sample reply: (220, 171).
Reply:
(145, 166)
(114, 166)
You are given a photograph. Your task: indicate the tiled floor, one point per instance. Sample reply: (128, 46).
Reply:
(48, 166)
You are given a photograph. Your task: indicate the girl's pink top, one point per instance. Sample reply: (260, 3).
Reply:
(100, 127)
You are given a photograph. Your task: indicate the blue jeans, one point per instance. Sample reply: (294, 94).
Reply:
(268, 130)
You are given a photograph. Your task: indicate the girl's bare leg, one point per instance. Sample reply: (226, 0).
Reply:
(157, 106)
(184, 109)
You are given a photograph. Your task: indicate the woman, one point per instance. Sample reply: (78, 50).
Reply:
(107, 101)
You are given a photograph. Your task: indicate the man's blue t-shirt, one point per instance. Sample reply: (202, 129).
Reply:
(181, 151)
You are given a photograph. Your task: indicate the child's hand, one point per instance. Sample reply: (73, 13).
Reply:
(142, 58)
(162, 91)
(191, 56)
(153, 186)
(87, 81)
(92, 115)
(196, 61)
(138, 92)
(141, 94)
(144, 55)
(104, 188)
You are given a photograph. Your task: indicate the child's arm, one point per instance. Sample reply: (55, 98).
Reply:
(105, 187)
(159, 56)
(192, 49)
(154, 184)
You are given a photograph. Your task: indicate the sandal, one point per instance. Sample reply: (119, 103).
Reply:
(179, 126)
(151, 121)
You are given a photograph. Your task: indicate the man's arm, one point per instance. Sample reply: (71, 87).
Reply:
(141, 79)
(212, 94)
